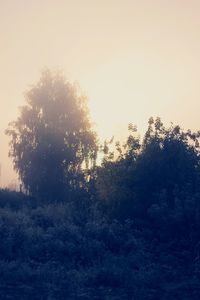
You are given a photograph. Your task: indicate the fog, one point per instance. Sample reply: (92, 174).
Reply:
(133, 59)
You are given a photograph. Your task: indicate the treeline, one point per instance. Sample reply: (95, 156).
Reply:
(127, 228)
(156, 176)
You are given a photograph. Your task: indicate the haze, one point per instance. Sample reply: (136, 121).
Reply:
(134, 59)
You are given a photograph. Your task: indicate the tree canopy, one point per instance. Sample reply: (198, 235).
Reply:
(52, 139)
(159, 170)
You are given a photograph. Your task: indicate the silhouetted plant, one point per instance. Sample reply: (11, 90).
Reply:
(166, 160)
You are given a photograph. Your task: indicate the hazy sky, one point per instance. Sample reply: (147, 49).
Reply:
(134, 59)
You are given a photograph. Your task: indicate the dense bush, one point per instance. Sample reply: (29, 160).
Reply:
(48, 253)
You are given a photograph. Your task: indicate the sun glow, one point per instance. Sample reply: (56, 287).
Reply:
(130, 90)
(134, 59)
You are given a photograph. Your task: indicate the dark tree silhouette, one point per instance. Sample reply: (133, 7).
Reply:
(52, 139)
(161, 170)
(168, 164)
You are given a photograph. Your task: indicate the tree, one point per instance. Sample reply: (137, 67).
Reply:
(162, 170)
(52, 139)
(168, 163)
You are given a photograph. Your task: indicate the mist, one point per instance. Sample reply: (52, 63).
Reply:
(132, 59)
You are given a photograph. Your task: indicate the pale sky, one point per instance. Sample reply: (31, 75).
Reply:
(133, 58)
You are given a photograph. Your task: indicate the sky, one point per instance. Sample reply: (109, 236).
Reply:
(133, 59)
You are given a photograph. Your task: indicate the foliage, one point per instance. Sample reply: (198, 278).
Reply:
(131, 233)
(47, 253)
(163, 167)
(52, 138)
